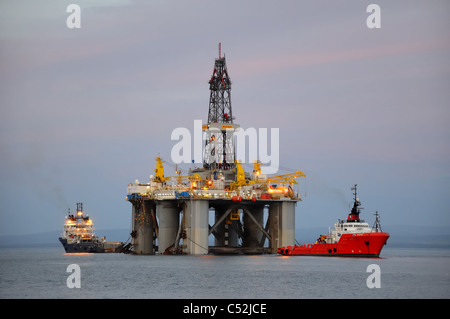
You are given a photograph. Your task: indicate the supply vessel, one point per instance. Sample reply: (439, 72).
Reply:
(78, 235)
(350, 238)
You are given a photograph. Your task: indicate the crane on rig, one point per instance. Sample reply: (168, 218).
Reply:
(286, 178)
(159, 174)
(242, 181)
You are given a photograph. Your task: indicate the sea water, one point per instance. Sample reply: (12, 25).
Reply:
(44, 273)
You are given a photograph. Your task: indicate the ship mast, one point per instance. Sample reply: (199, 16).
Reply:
(79, 209)
(377, 225)
(354, 214)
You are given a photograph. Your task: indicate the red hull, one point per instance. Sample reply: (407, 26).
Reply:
(349, 245)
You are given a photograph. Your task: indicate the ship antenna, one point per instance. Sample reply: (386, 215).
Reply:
(355, 190)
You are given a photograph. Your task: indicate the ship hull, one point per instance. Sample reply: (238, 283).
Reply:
(349, 245)
(84, 247)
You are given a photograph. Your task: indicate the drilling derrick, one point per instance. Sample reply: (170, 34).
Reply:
(219, 146)
(220, 93)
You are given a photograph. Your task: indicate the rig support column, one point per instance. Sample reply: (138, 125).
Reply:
(282, 224)
(168, 215)
(225, 233)
(142, 228)
(196, 216)
(253, 222)
(219, 233)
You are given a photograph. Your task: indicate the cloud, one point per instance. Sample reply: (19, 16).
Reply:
(258, 66)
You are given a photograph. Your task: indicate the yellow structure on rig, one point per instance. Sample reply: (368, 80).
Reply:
(159, 174)
(159, 171)
(212, 183)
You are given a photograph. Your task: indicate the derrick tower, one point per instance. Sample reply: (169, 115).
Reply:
(219, 145)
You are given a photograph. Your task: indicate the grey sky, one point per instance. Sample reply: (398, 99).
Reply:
(86, 111)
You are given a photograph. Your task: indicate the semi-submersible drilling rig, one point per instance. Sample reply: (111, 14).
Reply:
(253, 213)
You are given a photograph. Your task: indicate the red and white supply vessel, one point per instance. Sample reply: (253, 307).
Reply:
(351, 238)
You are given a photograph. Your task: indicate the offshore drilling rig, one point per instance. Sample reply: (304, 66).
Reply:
(253, 213)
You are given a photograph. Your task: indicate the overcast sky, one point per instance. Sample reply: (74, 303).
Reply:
(85, 111)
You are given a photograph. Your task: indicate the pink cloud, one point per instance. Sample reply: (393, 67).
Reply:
(264, 65)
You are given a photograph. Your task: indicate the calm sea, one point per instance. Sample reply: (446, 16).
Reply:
(403, 273)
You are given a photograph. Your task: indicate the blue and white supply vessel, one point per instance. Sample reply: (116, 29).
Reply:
(78, 235)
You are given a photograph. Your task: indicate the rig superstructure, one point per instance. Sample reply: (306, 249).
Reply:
(253, 212)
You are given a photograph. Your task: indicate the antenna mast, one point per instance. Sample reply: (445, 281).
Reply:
(354, 191)
(377, 225)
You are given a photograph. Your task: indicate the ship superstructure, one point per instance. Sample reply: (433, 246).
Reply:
(253, 212)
